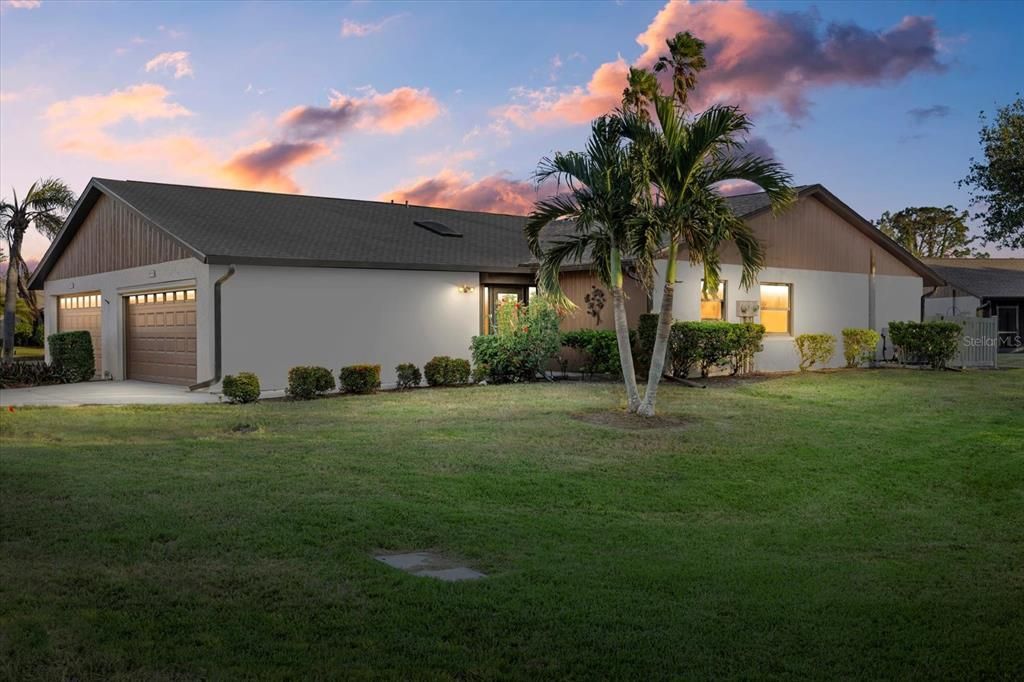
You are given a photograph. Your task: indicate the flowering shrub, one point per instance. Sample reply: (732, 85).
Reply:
(525, 339)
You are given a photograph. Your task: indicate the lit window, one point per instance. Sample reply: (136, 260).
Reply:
(150, 298)
(775, 307)
(712, 304)
(179, 295)
(190, 294)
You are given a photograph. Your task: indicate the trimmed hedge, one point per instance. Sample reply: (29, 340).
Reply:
(408, 376)
(814, 349)
(446, 371)
(243, 387)
(600, 347)
(73, 352)
(306, 383)
(859, 345)
(19, 374)
(359, 378)
(935, 343)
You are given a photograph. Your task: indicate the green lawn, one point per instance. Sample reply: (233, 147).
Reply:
(852, 524)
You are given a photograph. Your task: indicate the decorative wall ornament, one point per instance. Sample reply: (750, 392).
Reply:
(595, 303)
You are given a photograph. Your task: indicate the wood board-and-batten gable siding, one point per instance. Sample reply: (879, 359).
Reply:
(811, 236)
(114, 237)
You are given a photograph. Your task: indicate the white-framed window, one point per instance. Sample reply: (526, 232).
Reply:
(712, 303)
(776, 308)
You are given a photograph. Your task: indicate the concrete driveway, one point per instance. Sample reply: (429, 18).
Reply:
(104, 393)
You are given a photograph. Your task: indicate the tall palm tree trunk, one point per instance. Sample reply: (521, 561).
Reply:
(646, 408)
(622, 332)
(11, 293)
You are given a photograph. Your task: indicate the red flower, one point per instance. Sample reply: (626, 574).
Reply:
(10, 408)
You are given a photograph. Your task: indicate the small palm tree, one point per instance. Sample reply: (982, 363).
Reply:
(640, 91)
(44, 207)
(683, 161)
(599, 210)
(686, 59)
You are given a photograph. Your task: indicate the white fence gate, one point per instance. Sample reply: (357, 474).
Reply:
(979, 341)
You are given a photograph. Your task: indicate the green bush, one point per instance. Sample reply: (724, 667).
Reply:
(934, 343)
(359, 378)
(408, 376)
(243, 387)
(643, 348)
(22, 374)
(600, 348)
(72, 351)
(859, 345)
(306, 383)
(445, 371)
(815, 349)
(527, 337)
(698, 344)
(745, 340)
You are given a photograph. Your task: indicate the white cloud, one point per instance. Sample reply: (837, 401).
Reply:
(179, 61)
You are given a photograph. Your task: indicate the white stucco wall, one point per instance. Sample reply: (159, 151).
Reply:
(114, 285)
(822, 302)
(274, 318)
(945, 306)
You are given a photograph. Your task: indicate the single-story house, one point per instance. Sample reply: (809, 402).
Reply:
(986, 287)
(184, 284)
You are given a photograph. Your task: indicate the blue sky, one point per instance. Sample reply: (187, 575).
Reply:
(454, 104)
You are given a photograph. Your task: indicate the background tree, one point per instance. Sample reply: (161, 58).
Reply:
(997, 183)
(600, 206)
(684, 61)
(930, 232)
(44, 206)
(640, 92)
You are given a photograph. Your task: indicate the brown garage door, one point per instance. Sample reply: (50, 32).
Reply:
(83, 312)
(161, 331)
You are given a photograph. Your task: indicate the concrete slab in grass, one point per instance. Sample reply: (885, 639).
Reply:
(430, 565)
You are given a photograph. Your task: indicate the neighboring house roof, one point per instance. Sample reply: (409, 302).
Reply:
(246, 227)
(982, 277)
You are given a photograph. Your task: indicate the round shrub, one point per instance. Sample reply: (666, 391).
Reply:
(815, 349)
(446, 371)
(360, 378)
(859, 345)
(600, 348)
(408, 376)
(243, 387)
(72, 351)
(305, 383)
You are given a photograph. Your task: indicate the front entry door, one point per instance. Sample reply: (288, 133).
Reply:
(499, 295)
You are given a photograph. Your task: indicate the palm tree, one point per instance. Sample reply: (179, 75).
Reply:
(686, 60)
(600, 206)
(44, 207)
(640, 92)
(683, 161)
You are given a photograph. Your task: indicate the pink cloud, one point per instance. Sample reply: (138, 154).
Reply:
(267, 165)
(755, 59)
(354, 29)
(455, 189)
(388, 112)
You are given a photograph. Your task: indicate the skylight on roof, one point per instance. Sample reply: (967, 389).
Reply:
(437, 228)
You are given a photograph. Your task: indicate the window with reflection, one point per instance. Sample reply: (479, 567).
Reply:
(776, 300)
(712, 303)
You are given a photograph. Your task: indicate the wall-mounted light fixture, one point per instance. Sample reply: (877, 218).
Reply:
(465, 289)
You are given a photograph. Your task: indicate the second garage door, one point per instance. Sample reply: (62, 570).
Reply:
(161, 331)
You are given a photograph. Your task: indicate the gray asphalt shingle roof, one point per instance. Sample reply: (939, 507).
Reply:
(984, 277)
